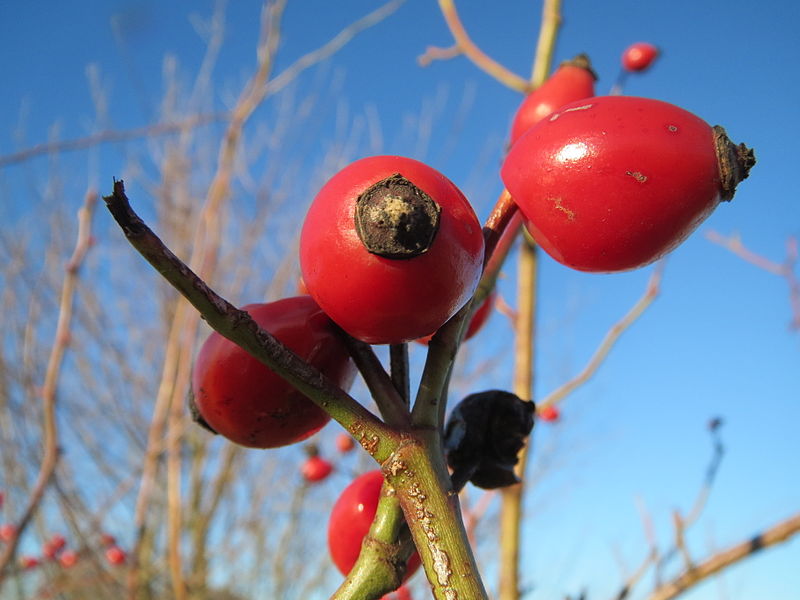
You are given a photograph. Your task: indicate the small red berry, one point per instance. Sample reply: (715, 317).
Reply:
(549, 413)
(115, 555)
(639, 56)
(68, 558)
(28, 562)
(106, 539)
(613, 183)
(401, 593)
(573, 80)
(345, 443)
(316, 469)
(2, 499)
(7, 532)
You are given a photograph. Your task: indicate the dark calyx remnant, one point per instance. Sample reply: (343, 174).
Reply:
(396, 219)
(735, 162)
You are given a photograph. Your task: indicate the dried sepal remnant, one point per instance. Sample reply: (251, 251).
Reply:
(396, 219)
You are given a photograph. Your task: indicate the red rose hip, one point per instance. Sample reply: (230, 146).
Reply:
(639, 56)
(243, 400)
(390, 249)
(573, 80)
(613, 183)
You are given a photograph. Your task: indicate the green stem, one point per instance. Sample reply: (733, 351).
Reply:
(422, 483)
(384, 553)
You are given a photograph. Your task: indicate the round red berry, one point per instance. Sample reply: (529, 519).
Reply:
(351, 518)
(68, 558)
(548, 413)
(390, 249)
(613, 183)
(639, 56)
(243, 400)
(345, 443)
(115, 555)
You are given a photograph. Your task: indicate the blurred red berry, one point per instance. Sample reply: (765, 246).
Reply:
(106, 539)
(68, 558)
(549, 413)
(639, 56)
(7, 532)
(115, 555)
(2, 499)
(49, 551)
(28, 562)
(316, 469)
(344, 443)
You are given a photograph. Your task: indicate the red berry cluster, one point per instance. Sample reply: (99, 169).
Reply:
(391, 249)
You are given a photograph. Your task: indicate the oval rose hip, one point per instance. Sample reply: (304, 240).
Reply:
(613, 183)
(390, 249)
(639, 56)
(573, 80)
(243, 400)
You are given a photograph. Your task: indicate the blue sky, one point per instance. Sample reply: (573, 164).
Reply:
(715, 343)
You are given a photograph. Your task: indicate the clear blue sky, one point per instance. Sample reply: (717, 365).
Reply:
(715, 343)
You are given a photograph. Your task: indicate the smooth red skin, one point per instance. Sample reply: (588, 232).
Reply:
(639, 56)
(613, 183)
(316, 469)
(344, 443)
(549, 413)
(243, 400)
(381, 300)
(351, 518)
(567, 84)
(476, 323)
(115, 555)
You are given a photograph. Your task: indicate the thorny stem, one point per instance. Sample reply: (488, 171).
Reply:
(236, 325)
(50, 450)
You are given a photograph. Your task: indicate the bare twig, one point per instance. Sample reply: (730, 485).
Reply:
(610, 339)
(476, 55)
(786, 269)
(49, 388)
(776, 534)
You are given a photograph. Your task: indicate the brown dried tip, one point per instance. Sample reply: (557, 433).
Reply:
(581, 61)
(396, 219)
(734, 162)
